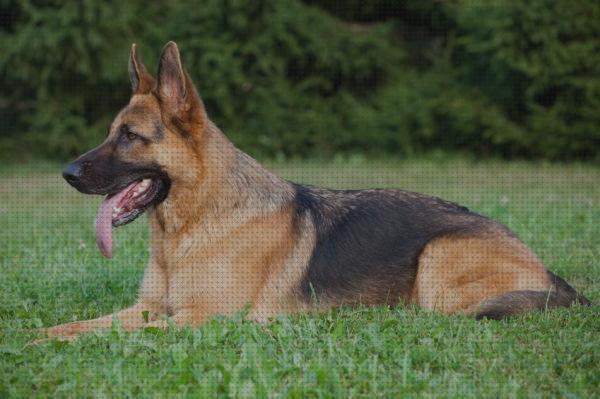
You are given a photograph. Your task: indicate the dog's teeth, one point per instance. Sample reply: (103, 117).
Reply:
(139, 190)
(141, 187)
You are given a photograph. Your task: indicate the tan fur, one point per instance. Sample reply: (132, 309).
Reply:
(228, 236)
(216, 245)
(455, 274)
(214, 257)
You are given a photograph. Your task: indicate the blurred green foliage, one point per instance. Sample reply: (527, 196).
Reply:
(285, 78)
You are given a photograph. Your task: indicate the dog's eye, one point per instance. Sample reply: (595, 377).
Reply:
(127, 135)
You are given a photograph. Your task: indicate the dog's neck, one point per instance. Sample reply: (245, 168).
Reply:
(230, 184)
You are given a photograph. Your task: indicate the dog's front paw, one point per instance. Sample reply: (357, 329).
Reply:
(55, 338)
(63, 332)
(67, 331)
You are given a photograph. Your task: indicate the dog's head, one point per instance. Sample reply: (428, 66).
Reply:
(147, 145)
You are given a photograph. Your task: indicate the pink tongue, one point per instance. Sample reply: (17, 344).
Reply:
(104, 221)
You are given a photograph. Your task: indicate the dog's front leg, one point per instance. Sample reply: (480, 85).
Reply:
(131, 319)
(151, 303)
(187, 316)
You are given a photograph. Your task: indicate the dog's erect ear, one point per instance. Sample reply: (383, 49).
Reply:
(141, 81)
(177, 94)
(172, 81)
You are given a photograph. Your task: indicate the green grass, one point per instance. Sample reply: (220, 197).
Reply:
(51, 272)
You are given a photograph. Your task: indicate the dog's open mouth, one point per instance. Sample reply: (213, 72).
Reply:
(123, 207)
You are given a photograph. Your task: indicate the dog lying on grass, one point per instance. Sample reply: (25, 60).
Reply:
(225, 232)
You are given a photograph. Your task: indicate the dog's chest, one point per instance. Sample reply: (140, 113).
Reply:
(218, 274)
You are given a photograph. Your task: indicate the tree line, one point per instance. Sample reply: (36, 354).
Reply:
(290, 78)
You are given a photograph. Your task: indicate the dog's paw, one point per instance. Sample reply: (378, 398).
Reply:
(66, 338)
(63, 331)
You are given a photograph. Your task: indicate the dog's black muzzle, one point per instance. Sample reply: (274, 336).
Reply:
(96, 172)
(86, 172)
(100, 172)
(73, 174)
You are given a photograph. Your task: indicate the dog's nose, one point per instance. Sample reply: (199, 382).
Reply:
(72, 173)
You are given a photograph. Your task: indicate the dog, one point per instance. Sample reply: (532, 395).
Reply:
(227, 233)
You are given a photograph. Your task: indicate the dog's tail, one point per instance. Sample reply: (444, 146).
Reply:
(560, 294)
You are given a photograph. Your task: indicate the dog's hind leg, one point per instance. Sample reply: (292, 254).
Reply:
(458, 274)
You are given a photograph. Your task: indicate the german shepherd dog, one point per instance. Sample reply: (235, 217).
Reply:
(225, 232)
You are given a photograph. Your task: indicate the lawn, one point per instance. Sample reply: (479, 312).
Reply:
(51, 272)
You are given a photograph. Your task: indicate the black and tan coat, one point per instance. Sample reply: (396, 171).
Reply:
(225, 232)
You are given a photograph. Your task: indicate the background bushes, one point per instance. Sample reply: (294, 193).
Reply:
(316, 78)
